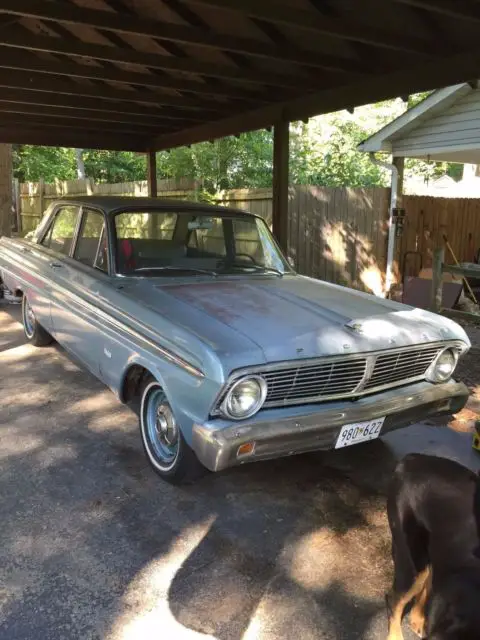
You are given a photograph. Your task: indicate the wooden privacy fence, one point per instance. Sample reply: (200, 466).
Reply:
(335, 233)
(458, 218)
(34, 197)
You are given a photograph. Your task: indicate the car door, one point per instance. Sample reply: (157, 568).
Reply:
(78, 277)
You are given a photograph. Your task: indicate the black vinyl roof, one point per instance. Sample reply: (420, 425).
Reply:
(152, 74)
(113, 204)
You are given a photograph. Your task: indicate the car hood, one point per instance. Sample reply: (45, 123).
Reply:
(296, 317)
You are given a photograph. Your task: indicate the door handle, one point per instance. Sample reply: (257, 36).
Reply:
(55, 265)
(25, 250)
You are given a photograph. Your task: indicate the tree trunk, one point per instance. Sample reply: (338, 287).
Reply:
(80, 164)
(6, 217)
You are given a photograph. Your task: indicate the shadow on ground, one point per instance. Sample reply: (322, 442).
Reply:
(94, 545)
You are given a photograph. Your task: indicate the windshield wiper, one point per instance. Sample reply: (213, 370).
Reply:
(209, 272)
(258, 268)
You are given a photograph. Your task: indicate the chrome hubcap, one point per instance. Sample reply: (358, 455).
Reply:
(29, 319)
(165, 425)
(161, 427)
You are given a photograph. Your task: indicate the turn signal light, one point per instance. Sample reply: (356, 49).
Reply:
(246, 449)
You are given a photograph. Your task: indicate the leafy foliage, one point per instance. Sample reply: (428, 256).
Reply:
(58, 163)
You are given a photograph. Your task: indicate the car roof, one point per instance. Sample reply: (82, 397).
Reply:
(111, 204)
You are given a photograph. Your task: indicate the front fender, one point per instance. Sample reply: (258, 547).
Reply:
(190, 397)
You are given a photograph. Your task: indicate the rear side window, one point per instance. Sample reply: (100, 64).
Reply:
(91, 247)
(152, 225)
(60, 235)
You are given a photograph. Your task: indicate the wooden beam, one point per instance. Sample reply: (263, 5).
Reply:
(67, 138)
(450, 70)
(170, 32)
(95, 104)
(82, 124)
(35, 82)
(152, 174)
(456, 9)
(281, 147)
(107, 53)
(23, 61)
(90, 115)
(341, 28)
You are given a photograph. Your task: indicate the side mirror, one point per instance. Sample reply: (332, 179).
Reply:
(291, 262)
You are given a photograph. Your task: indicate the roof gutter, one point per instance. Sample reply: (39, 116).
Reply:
(389, 279)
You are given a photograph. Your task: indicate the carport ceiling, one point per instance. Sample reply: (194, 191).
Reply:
(153, 74)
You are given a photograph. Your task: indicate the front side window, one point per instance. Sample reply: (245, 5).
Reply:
(60, 235)
(91, 248)
(185, 242)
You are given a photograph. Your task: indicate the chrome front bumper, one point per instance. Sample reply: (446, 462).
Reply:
(290, 430)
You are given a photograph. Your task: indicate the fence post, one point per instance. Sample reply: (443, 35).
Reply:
(41, 194)
(18, 204)
(437, 279)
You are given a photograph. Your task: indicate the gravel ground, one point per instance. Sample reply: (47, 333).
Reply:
(94, 546)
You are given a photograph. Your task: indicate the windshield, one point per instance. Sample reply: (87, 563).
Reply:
(166, 243)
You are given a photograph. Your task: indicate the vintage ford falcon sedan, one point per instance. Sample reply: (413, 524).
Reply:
(192, 315)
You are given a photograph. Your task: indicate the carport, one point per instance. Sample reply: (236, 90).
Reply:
(151, 75)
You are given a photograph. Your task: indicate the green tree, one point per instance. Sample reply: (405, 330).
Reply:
(226, 163)
(114, 166)
(58, 163)
(32, 163)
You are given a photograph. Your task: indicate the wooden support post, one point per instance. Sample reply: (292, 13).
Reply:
(17, 203)
(280, 217)
(399, 162)
(152, 173)
(399, 249)
(5, 190)
(437, 279)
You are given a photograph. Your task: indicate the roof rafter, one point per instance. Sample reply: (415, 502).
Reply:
(275, 12)
(129, 56)
(33, 82)
(55, 111)
(116, 22)
(456, 9)
(84, 124)
(24, 61)
(101, 105)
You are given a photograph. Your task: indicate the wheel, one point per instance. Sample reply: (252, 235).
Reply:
(164, 444)
(34, 332)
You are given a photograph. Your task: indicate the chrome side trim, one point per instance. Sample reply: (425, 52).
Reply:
(113, 322)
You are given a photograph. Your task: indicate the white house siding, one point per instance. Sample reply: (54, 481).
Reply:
(457, 128)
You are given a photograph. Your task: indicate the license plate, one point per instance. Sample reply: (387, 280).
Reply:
(359, 432)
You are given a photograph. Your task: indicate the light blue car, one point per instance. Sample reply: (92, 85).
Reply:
(192, 315)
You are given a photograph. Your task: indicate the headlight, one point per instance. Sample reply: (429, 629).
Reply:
(245, 397)
(443, 366)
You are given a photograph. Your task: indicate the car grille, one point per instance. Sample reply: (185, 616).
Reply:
(392, 368)
(297, 383)
(344, 377)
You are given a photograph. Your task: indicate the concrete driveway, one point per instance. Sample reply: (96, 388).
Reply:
(94, 545)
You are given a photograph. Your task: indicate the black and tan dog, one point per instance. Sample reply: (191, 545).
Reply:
(434, 515)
